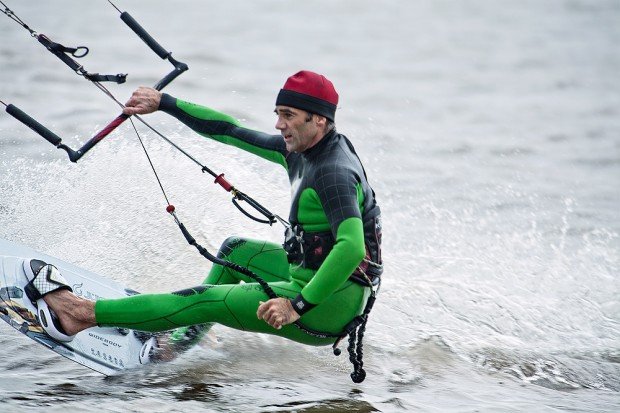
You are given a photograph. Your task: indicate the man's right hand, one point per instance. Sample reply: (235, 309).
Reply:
(144, 100)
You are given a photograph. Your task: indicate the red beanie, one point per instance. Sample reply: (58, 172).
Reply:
(311, 92)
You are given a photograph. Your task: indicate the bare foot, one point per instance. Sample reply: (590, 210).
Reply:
(75, 313)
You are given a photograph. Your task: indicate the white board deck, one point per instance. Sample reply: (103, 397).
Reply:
(105, 350)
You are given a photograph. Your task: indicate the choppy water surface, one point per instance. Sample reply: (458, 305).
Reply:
(491, 134)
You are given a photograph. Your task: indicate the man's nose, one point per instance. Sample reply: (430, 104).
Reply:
(280, 124)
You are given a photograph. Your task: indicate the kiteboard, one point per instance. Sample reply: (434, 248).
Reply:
(105, 350)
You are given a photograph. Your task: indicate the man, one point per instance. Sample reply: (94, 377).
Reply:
(331, 254)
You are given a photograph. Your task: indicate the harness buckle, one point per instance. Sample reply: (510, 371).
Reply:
(294, 244)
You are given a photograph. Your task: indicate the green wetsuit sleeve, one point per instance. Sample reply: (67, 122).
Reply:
(343, 259)
(225, 129)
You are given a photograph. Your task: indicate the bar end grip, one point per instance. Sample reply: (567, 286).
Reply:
(24, 118)
(143, 34)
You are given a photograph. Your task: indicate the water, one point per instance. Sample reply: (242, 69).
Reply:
(490, 132)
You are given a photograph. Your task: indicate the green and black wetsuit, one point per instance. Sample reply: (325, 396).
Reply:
(338, 231)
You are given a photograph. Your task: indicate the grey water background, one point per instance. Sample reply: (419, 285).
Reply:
(489, 130)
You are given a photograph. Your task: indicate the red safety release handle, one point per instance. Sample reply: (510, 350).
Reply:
(223, 182)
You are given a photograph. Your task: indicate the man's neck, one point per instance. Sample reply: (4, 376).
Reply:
(321, 133)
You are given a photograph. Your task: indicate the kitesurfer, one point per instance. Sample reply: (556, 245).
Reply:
(322, 273)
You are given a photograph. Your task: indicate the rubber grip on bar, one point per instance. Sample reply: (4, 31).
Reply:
(21, 116)
(147, 38)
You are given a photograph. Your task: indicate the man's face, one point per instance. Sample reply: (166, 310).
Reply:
(299, 134)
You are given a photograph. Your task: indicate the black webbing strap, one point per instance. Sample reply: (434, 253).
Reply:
(96, 77)
(64, 53)
(57, 48)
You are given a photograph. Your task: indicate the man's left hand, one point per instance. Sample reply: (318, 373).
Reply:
(277, 312)
(143, 101)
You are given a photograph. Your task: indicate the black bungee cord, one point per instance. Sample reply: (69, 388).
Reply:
(354, 329)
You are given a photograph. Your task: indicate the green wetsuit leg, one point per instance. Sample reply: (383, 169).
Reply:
(234, 305)
(231, 305)
(266, 259)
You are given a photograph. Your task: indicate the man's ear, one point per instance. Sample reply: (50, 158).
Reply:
(320, 121)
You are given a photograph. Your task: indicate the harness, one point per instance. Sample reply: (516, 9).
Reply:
(310, 249)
